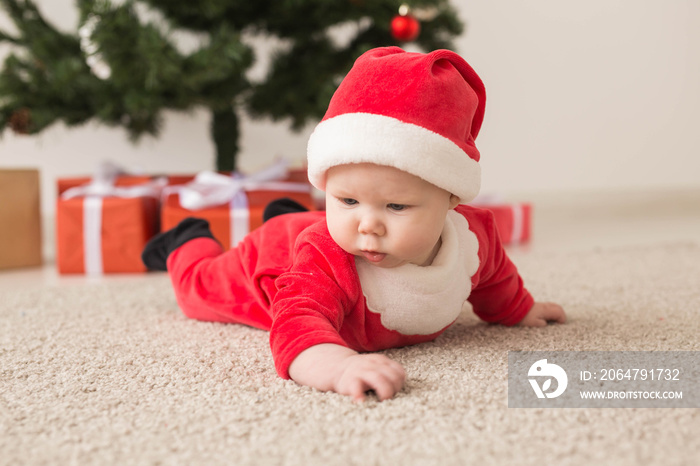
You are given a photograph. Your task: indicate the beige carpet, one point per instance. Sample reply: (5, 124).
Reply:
(111, 373)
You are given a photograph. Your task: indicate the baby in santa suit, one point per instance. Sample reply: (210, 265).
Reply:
(396, 255)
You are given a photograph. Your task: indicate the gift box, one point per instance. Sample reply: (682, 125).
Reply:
(103, 227)
(20, 235)
(233, 204)
(513, 220)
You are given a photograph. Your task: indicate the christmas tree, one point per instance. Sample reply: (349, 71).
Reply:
(124, 66)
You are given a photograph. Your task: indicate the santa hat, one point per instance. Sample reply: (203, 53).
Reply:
(417, 112)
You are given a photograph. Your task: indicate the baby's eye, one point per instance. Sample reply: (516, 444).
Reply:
(397, 207)
(348, 201)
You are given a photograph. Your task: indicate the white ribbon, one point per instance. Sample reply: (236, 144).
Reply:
(92, 235)
(209, 189)
(97, 188)
(101, 186)
(518, 224)
(239, 217)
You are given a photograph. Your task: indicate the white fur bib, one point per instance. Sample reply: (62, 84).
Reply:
(416, 300)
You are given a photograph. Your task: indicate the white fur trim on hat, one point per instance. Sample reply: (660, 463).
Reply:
(369, 138)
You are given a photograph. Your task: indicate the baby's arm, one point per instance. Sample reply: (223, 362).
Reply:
(541, 313)
(330, 367)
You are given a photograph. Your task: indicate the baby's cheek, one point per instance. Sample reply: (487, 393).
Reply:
(411, 246)
(342, 235)
(425, 236)
(423, 241)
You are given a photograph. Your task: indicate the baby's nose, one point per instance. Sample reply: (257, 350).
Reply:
(371, 225)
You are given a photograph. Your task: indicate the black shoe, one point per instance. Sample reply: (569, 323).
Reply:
(155, 253)
(282, 206)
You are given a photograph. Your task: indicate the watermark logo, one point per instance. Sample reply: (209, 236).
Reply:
(604, 379)
(543, 369)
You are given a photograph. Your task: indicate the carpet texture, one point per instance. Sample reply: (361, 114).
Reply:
(111, 373)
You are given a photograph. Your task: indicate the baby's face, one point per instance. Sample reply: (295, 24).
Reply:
(385, 216)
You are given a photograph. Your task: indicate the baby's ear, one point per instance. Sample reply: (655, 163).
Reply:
(454, 201)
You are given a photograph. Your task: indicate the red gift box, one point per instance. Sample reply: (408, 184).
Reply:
(238, 201)
(514, 221)
(105, 232)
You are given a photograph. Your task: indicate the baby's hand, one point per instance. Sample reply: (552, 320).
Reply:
(333, 367)
(541, 313)
(363, 372)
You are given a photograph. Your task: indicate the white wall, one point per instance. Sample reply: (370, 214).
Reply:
(595, 95)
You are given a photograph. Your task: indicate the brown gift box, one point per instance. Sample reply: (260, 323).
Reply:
(20, 218)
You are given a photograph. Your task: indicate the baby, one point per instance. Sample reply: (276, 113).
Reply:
(396, 255)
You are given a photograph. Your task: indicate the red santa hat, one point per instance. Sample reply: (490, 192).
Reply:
(417, 112)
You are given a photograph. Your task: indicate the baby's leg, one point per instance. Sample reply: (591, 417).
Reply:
(210, 284)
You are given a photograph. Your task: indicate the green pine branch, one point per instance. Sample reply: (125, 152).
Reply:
(46, 78)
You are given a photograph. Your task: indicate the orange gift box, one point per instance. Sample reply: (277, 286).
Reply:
(104, 234)
(229, 223)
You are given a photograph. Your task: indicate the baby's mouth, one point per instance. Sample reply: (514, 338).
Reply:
(373, 256)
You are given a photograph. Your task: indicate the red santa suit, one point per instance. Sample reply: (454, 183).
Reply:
(291, 278)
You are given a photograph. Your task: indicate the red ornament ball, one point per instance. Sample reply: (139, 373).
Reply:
(405, 28)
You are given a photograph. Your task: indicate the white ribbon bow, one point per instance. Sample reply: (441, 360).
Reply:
(102, 185)
(210, 189)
